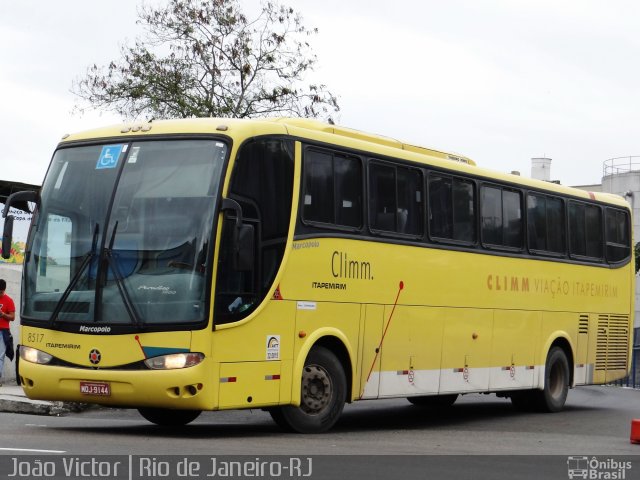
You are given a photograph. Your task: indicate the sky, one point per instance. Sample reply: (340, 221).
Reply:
(500, 81)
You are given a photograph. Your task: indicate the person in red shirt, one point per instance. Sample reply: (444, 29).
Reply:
(7, 314)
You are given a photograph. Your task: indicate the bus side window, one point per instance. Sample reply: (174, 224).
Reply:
(440, 206)
(464, 207)
(332, 190)
(348, 182)
(501, 212)
(556, 226)
(536, 225)
(395, 199)
(618, 241)
(451, 208)
(318, 187)
(545, 224)
(410, 204)
(585, 230)
(512, 218)
(382, 187)
(593, 219)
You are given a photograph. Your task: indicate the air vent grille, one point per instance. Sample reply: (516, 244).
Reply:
(612, 349)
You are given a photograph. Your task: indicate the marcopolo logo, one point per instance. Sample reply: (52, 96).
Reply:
(87, 329)
(597, 469)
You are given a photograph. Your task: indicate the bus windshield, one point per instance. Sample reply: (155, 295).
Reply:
(123, 234)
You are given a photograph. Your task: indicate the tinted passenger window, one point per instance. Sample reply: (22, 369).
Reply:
(332, 190)
(382, 186)
(501, 212)
(395, 199)
(318, 187)
(451, 208)
(585, 230)
(618, 241)
(545, 224)
(348, 191)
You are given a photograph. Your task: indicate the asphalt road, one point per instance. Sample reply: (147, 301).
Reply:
(481, 429)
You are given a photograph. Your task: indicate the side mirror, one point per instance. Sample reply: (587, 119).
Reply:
(20, 199)
(7, 237)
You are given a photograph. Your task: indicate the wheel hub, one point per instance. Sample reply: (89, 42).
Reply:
(316, 389)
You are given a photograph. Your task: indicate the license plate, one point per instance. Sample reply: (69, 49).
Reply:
(102, 389)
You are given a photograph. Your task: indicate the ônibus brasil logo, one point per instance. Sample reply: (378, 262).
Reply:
(597, 469)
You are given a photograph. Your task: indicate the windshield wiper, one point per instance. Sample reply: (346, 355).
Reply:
(86, 261)
(122, 288)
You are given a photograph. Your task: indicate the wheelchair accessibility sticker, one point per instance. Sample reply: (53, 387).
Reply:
(109, 156)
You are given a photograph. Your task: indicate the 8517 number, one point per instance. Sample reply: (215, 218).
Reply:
(35, 337)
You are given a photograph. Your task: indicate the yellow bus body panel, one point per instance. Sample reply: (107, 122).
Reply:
(412, 319)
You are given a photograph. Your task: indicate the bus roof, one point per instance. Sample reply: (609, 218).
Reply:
(332, 134)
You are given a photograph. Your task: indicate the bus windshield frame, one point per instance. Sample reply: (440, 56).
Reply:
(123, 237)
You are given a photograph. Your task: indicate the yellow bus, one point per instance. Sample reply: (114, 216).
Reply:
(290, 265)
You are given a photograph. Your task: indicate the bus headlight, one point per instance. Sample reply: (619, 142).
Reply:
(174, 361)
(34, 355)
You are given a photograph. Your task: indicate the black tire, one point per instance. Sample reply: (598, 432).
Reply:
(556, 387)
(556, 383)
(278, 417)
(323, 394)
(434, 401)
(169, 418)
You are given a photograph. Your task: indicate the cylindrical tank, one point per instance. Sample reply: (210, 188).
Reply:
(541, 168)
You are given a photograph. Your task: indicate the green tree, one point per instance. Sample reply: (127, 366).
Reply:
(205, 58)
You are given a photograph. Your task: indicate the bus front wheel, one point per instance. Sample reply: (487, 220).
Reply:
(169, 418)
(323, 394)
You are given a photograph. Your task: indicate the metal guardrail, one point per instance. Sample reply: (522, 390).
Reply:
(618, 165)
(633, 380)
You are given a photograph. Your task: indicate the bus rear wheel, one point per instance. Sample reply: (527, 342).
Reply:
(556, 386)
(169, 418)
(556, 382)
(434, 401)
(323, 395)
